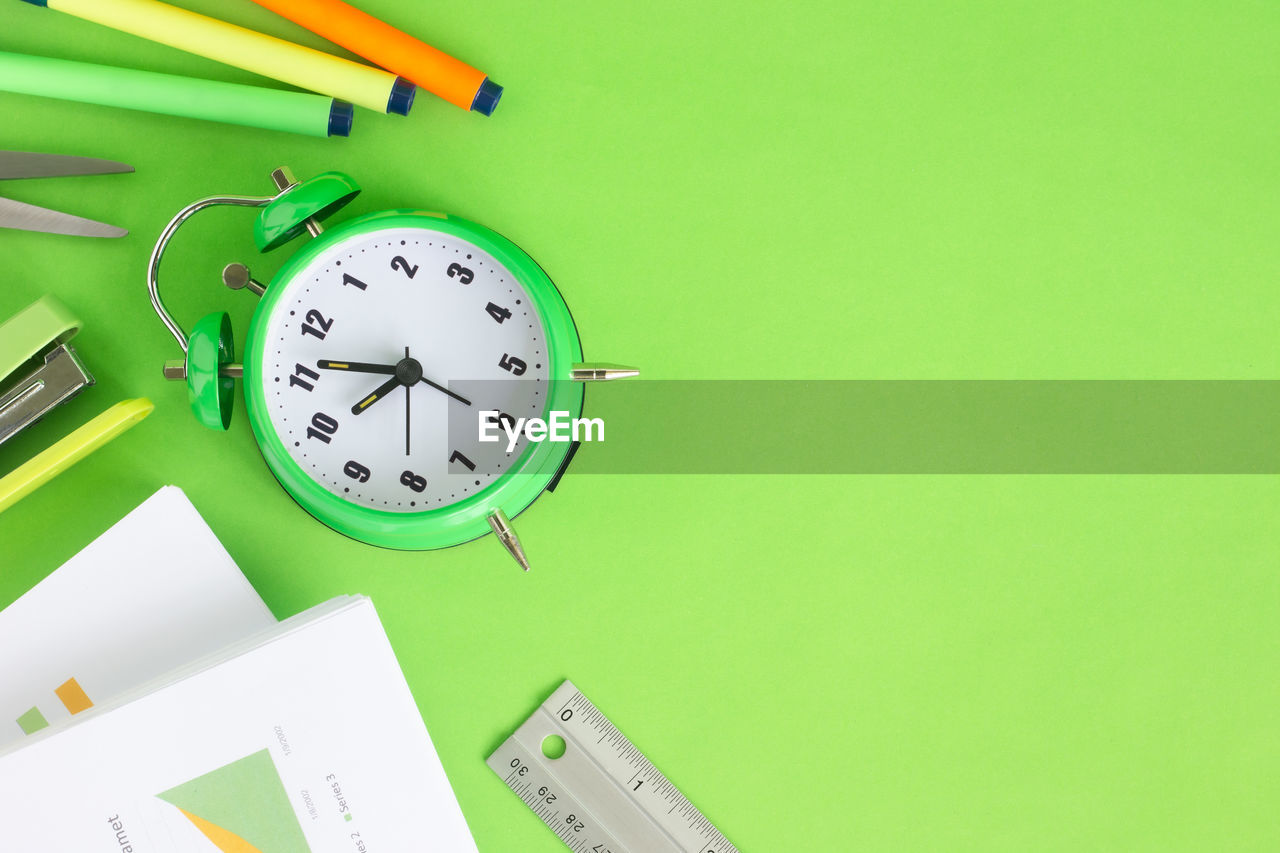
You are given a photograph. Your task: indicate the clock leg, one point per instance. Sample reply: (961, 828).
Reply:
(507, 536)
(601, 372)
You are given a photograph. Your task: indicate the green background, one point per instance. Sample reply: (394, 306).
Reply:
(838, 190)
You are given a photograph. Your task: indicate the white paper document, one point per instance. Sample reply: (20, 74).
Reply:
(153, 593)
(304, 739)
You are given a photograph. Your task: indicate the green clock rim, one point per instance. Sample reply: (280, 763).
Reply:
(513, 490)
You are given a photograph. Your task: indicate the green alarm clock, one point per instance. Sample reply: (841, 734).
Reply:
(381, 361)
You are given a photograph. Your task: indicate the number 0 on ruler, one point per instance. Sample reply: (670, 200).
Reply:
(602, 795)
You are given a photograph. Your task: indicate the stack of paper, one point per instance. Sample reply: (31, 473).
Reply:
(153, 593)
(299, 736)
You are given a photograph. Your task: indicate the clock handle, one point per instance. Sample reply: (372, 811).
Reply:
(157, 254)
(206, 365)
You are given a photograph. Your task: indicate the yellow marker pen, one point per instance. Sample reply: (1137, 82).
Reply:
(51, 462)
(271, 57)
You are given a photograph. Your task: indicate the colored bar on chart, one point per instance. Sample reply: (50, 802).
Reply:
(73, 696)
(32, 721)
(242, 807)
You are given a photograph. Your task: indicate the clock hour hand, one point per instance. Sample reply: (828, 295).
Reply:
(356, 366)
(378, 393)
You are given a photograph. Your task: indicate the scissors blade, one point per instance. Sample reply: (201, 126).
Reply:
(28, 217)
(20, 164)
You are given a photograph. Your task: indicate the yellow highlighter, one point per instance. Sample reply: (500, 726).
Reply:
(271, 57)
(39, 371)
(31, 475)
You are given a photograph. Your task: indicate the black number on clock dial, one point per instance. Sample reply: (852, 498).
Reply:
(511, 364)
(352, 280)
(497, 312)
(413, 481)
(322, 427)
(356, 471)
(461, 273)
(300, 370)
(458, 457)
(321, 327)
(399, 263)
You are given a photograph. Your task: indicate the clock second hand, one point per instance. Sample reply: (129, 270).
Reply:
(457, 397)
(407, 389)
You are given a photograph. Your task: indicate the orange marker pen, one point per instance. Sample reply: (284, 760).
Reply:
(364, 35)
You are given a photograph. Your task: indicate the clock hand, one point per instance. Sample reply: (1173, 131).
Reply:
(410, 372)
(409, 376)
(356, 366)
(378, 393)
(457, 397)
(408, 392)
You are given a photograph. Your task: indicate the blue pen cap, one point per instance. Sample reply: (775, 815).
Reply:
(401, 97)
(341, 115)
(487, 97)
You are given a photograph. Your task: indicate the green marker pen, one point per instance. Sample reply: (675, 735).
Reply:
(278, 59)
(169, 94)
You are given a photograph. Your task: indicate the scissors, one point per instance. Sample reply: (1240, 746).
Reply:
(28, 217)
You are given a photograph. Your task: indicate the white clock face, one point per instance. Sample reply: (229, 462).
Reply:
(380, 353)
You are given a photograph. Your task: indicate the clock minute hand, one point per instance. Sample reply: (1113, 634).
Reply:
(408, 372)
(356, 366)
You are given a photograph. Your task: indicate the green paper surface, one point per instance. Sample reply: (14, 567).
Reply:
(816, 190)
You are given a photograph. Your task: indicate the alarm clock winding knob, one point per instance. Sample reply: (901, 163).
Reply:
(237, 277)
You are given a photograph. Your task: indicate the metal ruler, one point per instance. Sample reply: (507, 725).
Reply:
(602, 795)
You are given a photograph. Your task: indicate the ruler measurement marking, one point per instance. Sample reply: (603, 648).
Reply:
(616, 806)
